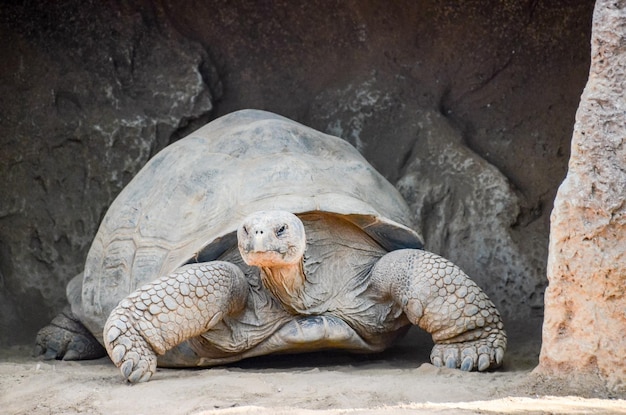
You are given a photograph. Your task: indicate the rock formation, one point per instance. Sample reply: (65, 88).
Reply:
(585, 304)
(88, 94)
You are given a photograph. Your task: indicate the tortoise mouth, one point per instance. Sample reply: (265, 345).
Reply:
(266, 258)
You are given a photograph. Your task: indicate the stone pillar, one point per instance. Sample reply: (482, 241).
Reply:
(584, 329)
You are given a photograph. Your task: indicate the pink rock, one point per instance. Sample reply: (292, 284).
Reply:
(584, 329)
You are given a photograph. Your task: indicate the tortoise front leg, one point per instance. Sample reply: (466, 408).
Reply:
(441, 299)
(170, 310)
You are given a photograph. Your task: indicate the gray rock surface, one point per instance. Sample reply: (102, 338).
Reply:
(88, 95)
(468, 210)
(465, 207)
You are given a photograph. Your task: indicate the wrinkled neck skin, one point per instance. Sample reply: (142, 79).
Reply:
(286, 283)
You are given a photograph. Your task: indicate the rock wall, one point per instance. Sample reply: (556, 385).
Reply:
(88, 93)
(468, 107)
(585, 312)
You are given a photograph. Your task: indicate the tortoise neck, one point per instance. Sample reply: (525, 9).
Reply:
(286, 283)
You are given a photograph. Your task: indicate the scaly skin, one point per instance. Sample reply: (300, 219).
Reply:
(441, 299)
(432, 292)
(66, 338)
(165, 312)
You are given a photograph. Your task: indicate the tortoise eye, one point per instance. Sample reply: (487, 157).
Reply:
(245, 230)
(280, 231)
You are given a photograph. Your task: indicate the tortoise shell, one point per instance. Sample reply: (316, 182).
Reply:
(186, 203)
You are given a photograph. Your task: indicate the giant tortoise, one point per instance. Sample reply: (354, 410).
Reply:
(258, 235)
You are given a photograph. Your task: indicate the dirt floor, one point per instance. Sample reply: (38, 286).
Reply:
(395, 382)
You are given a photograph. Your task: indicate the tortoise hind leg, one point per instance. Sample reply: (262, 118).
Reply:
(66, 337)
(166, 312)
(441, 299)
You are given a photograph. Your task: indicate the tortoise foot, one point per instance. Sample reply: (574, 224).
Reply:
(65, 338)
(128, 349)
(482, 354)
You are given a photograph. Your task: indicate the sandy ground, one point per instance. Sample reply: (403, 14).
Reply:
(395, 382)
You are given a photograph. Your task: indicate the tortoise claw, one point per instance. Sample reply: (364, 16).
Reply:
(482, 354)
(483, 363)
(467, 364)
(451, 358)
(128, 350)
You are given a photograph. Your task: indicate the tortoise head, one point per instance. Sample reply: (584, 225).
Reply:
(272, 238)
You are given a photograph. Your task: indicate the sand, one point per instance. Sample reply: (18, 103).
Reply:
(398, 381)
